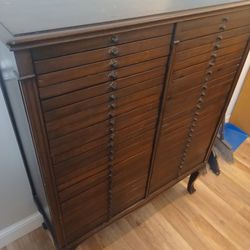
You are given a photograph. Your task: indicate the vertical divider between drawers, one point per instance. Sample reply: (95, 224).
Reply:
(168, 73)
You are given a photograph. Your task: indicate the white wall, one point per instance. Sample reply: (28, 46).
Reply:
(16, 203)
(238, 88)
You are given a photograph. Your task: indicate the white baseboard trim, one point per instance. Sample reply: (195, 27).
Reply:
(19, 229)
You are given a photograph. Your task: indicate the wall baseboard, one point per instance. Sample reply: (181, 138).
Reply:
(19, 229)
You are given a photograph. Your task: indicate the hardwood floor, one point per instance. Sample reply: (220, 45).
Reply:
(217, 216)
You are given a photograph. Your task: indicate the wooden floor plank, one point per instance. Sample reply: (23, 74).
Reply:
(217, 216)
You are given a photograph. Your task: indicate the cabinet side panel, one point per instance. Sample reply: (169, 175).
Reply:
(13, 99)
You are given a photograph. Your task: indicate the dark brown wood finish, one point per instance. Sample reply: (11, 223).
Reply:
(121, 111)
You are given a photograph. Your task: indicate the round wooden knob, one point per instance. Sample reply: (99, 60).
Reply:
(113, 63)
(222, 27)
(112, 97)
(112, 122)
(112, 130)
(113, 86)
(112, 106)
(225, 19)
(112, 75)
(114, 51)
(114, 39)
(111, 115)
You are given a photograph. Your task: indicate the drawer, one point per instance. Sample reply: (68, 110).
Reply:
(94, 88)
(139, 139)
(87, 93)
(228, 69)
(134, 149)
(115, 37)
(171, 126)
(81, 213)
(181, 103)
(83, 185)
(83, 148)
(197, 42)
(69, 124)
(234, 50)
(198, 50)
(165, 170)
(127, 196)
(81, 167)
(102, 77)
(131, 167)
(202, 66)
(121, 140)
(98, 67)
(101, 129)
(186, 83)
(213, 24)
(92, 56)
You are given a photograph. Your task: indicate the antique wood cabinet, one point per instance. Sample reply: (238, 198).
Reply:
(114, 104)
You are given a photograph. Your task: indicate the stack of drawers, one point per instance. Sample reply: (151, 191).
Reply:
(100, 100)
(206, 58)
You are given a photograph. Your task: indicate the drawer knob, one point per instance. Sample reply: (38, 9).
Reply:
(204, 87)
(112, 136)
(112, 105)
(113, 86)
(112, 130)
(214, 55)
(198, 106)
(209, 73)
(112, 97)
(200, 100)
(112, 122)
(225, 19)
(203, 93)
(114, 39)
(216, 46)
(111, 115)
(211, 64)
(181, 166)
(219, 38)
(222, 27)
(195, 119)
(112, 75)
(113, 63)
(111, 157)
(110, 144)
(114, 51)
(189, 139)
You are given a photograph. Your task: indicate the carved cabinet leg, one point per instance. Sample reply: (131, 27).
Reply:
(193, 177)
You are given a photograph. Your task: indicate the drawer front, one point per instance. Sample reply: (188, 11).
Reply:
(93, 56)
(100, 100)
(207, 55)
(102, 66)
(115, 37)
(129, 181)
(85, 212)
(208, 25)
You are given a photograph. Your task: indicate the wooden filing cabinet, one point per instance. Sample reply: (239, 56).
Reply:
(109, 115)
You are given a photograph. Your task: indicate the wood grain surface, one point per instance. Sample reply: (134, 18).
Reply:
(217, 216)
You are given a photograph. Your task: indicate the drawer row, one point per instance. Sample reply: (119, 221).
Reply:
(131, 174)
(123, 54)
(87, 116)
(204, 26)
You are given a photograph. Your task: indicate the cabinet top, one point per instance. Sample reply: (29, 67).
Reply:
(27, 18)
